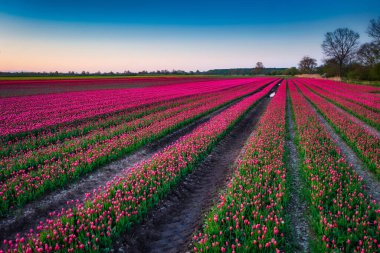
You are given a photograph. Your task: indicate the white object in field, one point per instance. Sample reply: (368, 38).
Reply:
(272, 94)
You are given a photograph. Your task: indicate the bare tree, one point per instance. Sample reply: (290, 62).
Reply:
(307, 65)
(341, 45)
(369, 53)
(258, 68)
(374, 29)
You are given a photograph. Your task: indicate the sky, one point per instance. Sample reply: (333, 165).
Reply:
(117, 35)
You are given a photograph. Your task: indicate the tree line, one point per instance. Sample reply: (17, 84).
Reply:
(99, 73)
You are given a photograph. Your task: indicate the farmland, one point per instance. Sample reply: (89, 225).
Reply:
(199, 164)
(19, 86)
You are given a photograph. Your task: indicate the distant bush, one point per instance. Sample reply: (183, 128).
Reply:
(360, 72)
(374, 72)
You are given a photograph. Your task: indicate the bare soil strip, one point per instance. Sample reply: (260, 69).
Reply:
(23, 219)
(370, 181)
(170, 226)
(297, 208)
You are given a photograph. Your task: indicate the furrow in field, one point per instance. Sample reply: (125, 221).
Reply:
(297, 208)
(250, 215)
(170, 226)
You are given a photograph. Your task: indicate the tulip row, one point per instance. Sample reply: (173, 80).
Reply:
(53, 134)
(250, 215)
(10, 87)
(29, 160)
(343, 216)
(15, 144)
(20, 114)
(66, 165)
(367, 115)
(123, 202)
(365, 143)
(363, 95)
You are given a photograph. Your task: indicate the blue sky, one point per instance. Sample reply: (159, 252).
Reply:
(37, 35)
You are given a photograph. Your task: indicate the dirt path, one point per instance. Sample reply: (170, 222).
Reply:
(170, 226)
(23, 219)
(370, 180)
(297, 207)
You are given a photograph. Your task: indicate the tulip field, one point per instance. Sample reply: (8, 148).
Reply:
(65, 145)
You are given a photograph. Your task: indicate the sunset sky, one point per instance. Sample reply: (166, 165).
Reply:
(72, 35)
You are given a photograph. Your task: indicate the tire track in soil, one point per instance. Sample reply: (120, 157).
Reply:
(297, 207)
(170, 226)
(370, 181)
(28, 217)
